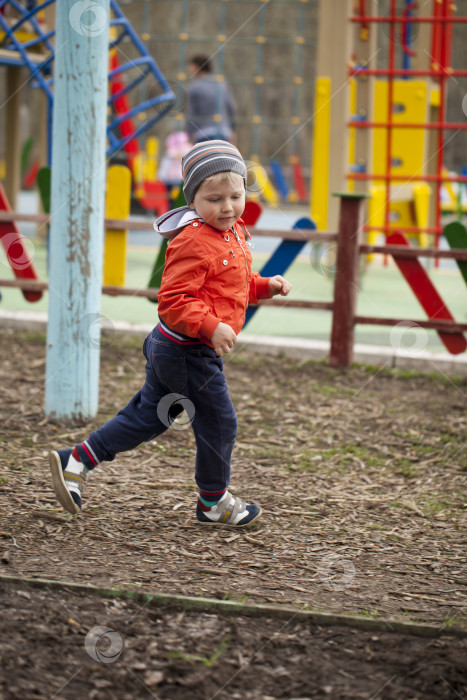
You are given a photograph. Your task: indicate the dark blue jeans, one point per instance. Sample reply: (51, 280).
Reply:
(177, 377)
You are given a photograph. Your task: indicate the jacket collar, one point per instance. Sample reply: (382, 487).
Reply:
(174, 221)
(170, 224)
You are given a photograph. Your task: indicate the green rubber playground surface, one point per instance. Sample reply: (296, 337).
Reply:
(383, 292)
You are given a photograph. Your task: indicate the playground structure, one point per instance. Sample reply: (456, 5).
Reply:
(353, 183)
(27, 40)
(394, 144)
(354, 156)
(127, 119)
(357, 147)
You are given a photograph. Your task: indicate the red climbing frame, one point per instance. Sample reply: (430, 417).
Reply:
(442, 21)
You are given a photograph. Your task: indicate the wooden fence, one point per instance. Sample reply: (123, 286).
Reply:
(346, 282)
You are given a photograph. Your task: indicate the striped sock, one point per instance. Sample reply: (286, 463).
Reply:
(208, 500)
(86, 455)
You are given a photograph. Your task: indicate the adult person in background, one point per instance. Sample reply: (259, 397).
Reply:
(210, 109)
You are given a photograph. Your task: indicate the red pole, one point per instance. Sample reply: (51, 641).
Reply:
(436, 36)
(346, 281)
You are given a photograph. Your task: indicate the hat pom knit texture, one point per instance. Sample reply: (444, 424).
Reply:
(209, 158)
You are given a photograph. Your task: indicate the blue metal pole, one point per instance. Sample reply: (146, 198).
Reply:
(406, 59)
(77, 209)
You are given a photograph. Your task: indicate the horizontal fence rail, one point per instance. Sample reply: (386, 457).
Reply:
(446, 326)
(292, 235)
(346, 283)
(402, 251)
(144, 225)
(435, 324)
(151, 293)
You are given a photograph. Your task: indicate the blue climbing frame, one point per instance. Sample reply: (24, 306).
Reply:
(21, 53)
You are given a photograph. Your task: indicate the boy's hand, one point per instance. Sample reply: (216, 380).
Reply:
(279, 285)
(223, 338)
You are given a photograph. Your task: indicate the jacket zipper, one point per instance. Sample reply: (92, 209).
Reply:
(246, 265)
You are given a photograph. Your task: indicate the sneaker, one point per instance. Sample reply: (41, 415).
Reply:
(229, 511)
(68, 477)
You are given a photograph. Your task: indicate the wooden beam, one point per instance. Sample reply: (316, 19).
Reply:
(334, 49)
(17, 57)
(449, 327)
(13, 134)
(346, 282)
(365, 42)
(151, 293)
(139, 225)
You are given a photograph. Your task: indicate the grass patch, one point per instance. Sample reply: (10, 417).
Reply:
(204, 659)
(235, 598)
(433, 506)
(406, 469)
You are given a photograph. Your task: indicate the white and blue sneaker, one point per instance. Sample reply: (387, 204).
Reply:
(229, 511)
(68, 477)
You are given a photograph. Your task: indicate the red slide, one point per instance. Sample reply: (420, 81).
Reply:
(16, 251)
(252, 212)
(426, 293)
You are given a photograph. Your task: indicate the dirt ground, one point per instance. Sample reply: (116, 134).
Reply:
(47, 651)
(362, 479)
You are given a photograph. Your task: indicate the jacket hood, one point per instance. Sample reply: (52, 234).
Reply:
(171, 223)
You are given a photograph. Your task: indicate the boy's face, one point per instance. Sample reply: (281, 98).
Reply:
(220, 202)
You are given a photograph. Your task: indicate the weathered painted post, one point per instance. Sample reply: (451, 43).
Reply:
(346, 281)
(77, 209)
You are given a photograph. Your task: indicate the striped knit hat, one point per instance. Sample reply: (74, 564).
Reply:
(208, 158)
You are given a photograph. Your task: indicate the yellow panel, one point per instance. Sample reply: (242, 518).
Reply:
(150, 159)
(375, 215)
(421, 195)
(403, 213)
(449, 208)
(320, 163)
(410, 98)
(407, 145)
(435, 96)
(262, 185)
(117, 206)
(448, 186)
(21, 36)
(152, 146)
(138, 168)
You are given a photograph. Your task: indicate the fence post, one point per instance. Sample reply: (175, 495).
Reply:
(346, 281)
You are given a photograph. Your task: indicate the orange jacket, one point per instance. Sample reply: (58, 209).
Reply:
(207, 279)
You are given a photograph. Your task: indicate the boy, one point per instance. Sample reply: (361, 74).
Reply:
(206, 286)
